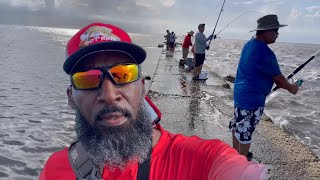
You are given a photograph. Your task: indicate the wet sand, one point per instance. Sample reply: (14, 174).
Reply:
(204, 108)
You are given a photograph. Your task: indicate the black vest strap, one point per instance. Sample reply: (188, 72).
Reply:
(144, 168)
(84, 168)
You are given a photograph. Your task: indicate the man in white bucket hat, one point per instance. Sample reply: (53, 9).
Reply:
(258, 69)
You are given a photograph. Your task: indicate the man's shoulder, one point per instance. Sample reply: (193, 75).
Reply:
(197, 145)
(198, 34)
(58, 167)
(59, 158)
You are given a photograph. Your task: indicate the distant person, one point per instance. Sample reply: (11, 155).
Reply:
(200, 46)
(258, 69)
(167, 38)
(186, 44)
(115, 138)
(172, 41)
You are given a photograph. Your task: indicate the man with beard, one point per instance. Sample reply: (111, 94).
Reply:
(115, 137)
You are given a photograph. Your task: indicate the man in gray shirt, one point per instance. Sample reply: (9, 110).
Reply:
(199, 51)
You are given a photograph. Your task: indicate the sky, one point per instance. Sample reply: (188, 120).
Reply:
(180, 16)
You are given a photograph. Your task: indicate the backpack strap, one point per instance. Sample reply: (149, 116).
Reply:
(81, 164)
(84, 168)
(144, 168)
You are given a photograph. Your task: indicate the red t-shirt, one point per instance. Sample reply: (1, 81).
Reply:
(187, 41)
(174, 157)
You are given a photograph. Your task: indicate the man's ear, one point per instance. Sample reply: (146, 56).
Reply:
(70, 97)
(143, 87)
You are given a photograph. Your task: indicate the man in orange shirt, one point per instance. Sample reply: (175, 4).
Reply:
(115, 139)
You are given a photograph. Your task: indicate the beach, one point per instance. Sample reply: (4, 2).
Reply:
(36, 120)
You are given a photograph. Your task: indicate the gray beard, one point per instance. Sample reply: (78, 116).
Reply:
(119, 146)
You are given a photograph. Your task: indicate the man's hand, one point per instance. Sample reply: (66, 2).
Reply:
(282, 82)
(210, 37)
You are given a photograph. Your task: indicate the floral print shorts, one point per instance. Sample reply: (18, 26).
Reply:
(245, 122)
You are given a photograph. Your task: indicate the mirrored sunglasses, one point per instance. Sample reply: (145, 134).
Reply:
(119, 74)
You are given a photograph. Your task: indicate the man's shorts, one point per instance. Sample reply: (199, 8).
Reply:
(185, 52)
(171, 45)
(245, 122)
(199, 59)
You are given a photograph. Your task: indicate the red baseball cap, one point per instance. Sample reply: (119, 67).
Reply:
(97, 37)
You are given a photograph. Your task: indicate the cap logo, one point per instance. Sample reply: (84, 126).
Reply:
(97, 34)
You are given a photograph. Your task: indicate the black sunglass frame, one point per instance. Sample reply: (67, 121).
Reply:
(105, 72)
(275, 30)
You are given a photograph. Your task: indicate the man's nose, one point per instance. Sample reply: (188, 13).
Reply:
(108, 93)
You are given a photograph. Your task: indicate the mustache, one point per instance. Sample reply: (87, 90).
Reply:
(112, 109)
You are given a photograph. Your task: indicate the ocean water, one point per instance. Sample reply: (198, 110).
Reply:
(36, 120)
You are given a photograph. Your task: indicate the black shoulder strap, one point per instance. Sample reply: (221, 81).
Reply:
(81, 164)
(84, 168)
(144, 168)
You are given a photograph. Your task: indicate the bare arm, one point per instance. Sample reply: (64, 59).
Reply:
(282, 82)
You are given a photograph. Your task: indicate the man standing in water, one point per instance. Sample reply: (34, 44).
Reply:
(258, 69)
(200, 46)
(115, 137)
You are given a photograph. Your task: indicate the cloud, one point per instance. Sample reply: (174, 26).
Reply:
(168, 3)
(245, 2)
(294, 14)
(31, 5)
(313, 8)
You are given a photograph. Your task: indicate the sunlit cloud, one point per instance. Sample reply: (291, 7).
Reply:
(168, 3)
(245, 2)
(313, 8)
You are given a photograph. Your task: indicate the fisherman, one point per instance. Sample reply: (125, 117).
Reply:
(200, 46)
(115, 139)
(186, 44)
(172, 41)
(258, 69)
(167, 38)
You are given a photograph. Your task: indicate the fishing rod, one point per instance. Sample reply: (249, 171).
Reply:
(204, 19)
(236, 19)
(217, 21)
(299, 68)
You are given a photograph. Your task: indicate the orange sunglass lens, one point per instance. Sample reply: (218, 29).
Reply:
(86, 80)
(125, 73)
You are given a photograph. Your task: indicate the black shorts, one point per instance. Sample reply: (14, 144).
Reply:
(199, 59)
(171, 44)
